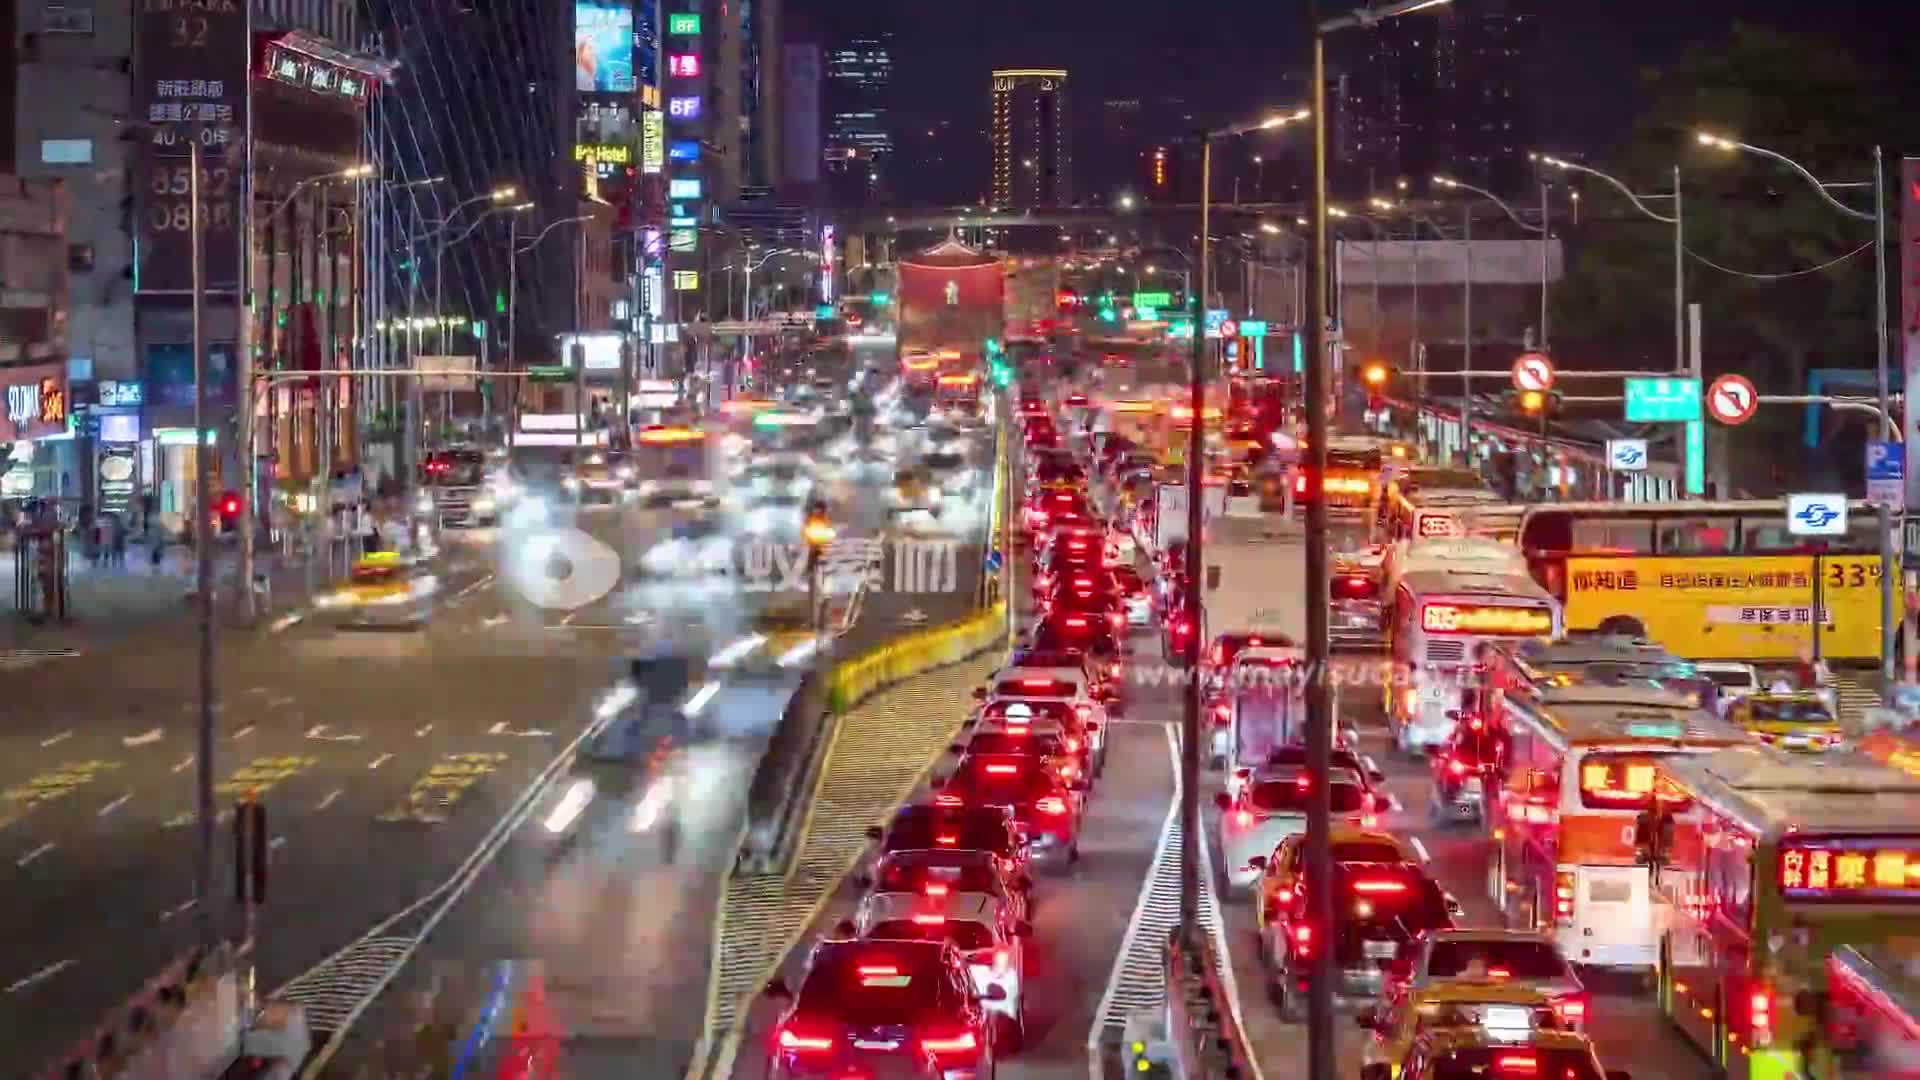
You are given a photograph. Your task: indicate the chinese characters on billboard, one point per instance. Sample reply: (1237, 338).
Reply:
(602, 48)
(191, 66)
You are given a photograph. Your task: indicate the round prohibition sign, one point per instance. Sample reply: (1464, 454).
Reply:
(1732, 399)
(1533, 373)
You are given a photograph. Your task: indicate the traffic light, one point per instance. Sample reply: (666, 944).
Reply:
(1375, 375)
(229, 511)
(1532, 402)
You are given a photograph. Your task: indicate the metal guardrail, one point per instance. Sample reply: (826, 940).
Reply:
(775, 801)
(1205, 1041)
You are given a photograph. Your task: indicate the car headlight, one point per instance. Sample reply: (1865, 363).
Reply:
(571, 483)
(338, 599)
(624, 472)
(483, 505)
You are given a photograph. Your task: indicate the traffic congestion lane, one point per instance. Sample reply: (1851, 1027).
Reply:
(1626, 1025)
(375, 777)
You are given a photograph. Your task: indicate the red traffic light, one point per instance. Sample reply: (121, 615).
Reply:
(230, 505)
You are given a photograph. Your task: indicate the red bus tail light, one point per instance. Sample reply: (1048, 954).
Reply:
(805, 1041)
(1052, 804)
(962, 1043)
(1563, 895)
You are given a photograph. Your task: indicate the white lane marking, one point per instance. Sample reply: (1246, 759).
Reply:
(32, 855)
(501, 728)
(114, 805)
(492, 621)
(244, 732)
(177, 910)
(421, 732)
(185, 764)
(331, 796)
(319, 731)
(262, 690)
(151, 735)
(277, 843)
(1095, 1071)
(284, 621)
(471, 589)
(41, 976)
(279, 702)
(56, 740)
(379, 761)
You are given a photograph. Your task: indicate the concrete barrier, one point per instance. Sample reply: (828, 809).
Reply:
(184, 1023)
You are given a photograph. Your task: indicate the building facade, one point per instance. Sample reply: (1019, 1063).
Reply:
(1031, 138)
(859, 119)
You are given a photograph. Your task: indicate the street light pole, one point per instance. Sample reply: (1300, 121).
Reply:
(203, 559)
(1320, 1061)
(1680, 362)
(1190, 717)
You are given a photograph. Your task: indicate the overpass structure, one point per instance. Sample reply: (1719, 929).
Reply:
(898, 219)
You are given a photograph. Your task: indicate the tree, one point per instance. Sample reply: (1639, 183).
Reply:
(1802, 97)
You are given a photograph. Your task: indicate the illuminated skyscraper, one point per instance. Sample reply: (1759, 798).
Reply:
(1032, 151)
(859, 79)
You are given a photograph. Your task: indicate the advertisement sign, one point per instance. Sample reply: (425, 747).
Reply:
(686, 280)
(684, 188)
(602, 48)
(826, 262)
(120, 393)
(457, 372)
(684, 150)
(35, 403)
(684, 65)
(315, 75)
(1886, 473)
(683, 108)
(191, 62)
(651, 288)
(653, 141)
(169, 374)
(119, 465)
(683, 24)
(601, 351)
(684, 240)
(1909, 336)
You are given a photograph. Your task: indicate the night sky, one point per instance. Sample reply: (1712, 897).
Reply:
(1230, 58)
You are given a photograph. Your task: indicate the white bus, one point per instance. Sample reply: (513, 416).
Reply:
(1435, 622)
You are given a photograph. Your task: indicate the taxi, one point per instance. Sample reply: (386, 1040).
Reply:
(1454, 1052)
(1279, 870)
(383, 589)
(1800, 722)
(1493, 1009)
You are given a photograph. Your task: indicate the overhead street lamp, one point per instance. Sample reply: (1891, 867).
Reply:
(1190, 839)
(1416, 354)
(1880, 333)
(1877, 215)
(515, 250)
(1320, 1065)
(1679, 241)
(1466, 356)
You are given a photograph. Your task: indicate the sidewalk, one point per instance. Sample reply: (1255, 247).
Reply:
(137, 596)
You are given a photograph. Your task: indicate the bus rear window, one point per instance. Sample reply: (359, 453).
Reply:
(1618, 781)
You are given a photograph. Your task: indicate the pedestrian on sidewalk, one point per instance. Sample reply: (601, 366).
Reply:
(119, 542)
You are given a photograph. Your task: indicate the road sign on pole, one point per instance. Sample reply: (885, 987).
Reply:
(1817, 515)
(1732, 399)
(1627, 455)
(1665, 400)
(1887, 473)
(1533, 373)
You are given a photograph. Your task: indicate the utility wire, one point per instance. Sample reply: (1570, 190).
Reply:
(1829, 264)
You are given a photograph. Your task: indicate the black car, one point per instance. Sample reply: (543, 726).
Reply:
(1377, 908)
(882, 1007)
(925, 826)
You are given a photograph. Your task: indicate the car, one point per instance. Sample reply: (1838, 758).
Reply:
(1088, 701)
(1344, 757)
(1064, 754)
(1047, 808)
(1092, 637)
(908, 1007)
(1377, 909)
(1227, 647)
(385, 589)
(932, 870)
(1087, 592)
(1475, 1053)
(940, 827)
(1280, 870)
(990, 936)
(1501, 1013)
(1465, 771)
(1273, 805)
(1800, 721)
(1518, 957)
(1731, 679)
(1136, 600)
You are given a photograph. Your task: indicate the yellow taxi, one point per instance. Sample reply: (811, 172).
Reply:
(1800, 721)
(1446, 1053)
(1282, 868)
(383, 589)
(1496, 1010)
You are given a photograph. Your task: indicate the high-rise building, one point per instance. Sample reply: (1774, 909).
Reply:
(1032, 145)
(860, 138)
(1450, 92)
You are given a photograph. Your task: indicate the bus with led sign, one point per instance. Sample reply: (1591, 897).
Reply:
(1434, 620)
(1582, 764)
(1770, 864)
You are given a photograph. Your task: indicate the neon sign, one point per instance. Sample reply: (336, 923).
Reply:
(1858, 869)
(683, 108)
(1480, 619)
(684, 65)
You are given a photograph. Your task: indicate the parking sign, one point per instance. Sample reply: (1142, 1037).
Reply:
(1886, 473)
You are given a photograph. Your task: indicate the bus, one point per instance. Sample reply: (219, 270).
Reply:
(1435, 515)
(1434, 622)
(1712, 580)
(1769, 864)
(1354, 474)
(958, 392)
(672, 466)
(1529, 670)
(1580, 767)
(1873, 1022)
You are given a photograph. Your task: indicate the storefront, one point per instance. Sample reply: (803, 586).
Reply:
(34, 410)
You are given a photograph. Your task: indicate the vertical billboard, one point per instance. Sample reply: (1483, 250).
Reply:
(602, 47)
(1908, 338)
(191, 62)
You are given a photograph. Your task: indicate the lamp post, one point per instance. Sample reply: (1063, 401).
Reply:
(514, 251)
(1679, 242)
(748, 265)
(498, 195)
(1373, 330)
(1197, 398)
(1879, 218)
(1466, 356)
(1320, 1064)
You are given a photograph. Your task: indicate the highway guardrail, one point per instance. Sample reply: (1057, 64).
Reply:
(1206, 1042)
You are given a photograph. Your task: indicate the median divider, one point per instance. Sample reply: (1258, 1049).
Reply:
(783, 784)
(1206, 1041)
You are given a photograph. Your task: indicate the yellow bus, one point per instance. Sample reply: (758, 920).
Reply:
(1712, 580)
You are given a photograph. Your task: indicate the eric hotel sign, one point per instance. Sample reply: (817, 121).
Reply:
(33, 401)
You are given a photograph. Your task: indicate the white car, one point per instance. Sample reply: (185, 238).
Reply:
(1121, 549)
(1068, 684)
(1732, 681)
(982, 926)
(1272, 806)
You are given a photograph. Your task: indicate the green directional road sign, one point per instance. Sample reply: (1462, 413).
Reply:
(1663, 400)
(1253, 328)
(550, 374)
(1152, 299)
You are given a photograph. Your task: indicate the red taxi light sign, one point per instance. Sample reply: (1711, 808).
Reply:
(1485, 619)
(1438, 526)
(1851, 869)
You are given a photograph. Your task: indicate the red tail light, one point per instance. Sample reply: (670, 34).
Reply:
(1083, 712)
(1242, 818)
(1501, 973)
(1572, 1010)
(955, 1044)
(1302, 938)
(1002, 770)
(1016, 729)
(1052, 804)
(930, 920)
(797, 1041)
(947, 800)
(1517, 1064)
(1001, 958)
(1114, 671)
(1303, 782)
(1073, 745)
(1563, 886)
(1376, 888)
(1300, 484)
(1076, 622)
(1760, 1016)
(1474, 724)
(946, 839)
(936, 890)
(1456, 766)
